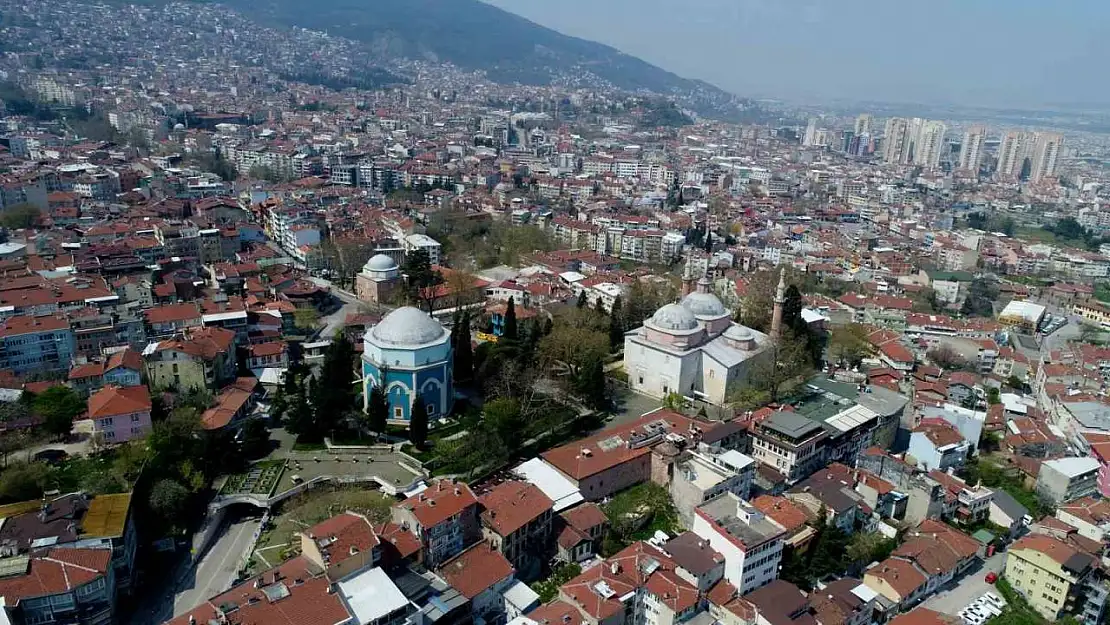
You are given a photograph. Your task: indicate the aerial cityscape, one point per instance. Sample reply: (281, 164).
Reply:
(422, 313)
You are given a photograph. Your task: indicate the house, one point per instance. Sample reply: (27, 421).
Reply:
(846, 601)
(792, 517)
(74, 521)
(898, 581)
(517, 521)
(233, 405)
(483, 576)
(119, 413)
(444, 518)
(750, 542)
(297, 592)
(1007, 512)
(60, 585)
(789, 443)
(699, 477)
(639, 585)
(123, 368)
(271, 354)
(966, 503)
(832, 489)
(342, 545)
(932, 555)
(580, 530)
(170, 319)
(198, 359)
(1089, 516)
(781, 603)
(936, 444)
(697, 562)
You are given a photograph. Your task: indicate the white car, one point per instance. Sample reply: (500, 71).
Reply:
(984, 606)
(972, 619)
(994, 599)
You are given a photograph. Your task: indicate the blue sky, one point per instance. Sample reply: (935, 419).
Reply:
(1020, 53)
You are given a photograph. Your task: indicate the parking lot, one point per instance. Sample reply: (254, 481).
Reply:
(971, 587)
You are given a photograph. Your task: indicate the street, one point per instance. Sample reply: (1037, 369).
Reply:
(968, 589)
(217, 569)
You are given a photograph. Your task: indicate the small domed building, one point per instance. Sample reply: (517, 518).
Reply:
(409, 353)
(378, 279)
(693, 348)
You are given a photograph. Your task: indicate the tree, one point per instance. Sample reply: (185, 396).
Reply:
(981, 295)
(59, 406)
(306, 318)
(22, 481)
(709, 242)
(945, 357)
(582, 300)
(422, 280)
(867, 547)
(505, 416)
(616, 325)
(255, 439)
(20, 216)
(168, 499)
(463, 369)
(591, 384)
(418, 423)
(792, 310)
(788, 360)
(509, 329)
(336, 384)
(377, 410)
(849, 345)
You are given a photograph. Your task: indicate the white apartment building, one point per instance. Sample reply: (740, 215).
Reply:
(750, 542)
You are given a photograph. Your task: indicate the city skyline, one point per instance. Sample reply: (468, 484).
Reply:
(764, 49)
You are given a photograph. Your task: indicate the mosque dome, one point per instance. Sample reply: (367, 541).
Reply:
(407, 327)
(674, 317)
(704, 304)
(380, 262)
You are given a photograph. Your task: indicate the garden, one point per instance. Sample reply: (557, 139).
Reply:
(259, 479)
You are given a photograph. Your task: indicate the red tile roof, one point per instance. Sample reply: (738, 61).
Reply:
(585, 516)
(56, 571)
(476, 570)
(114, 400)
(441, 501)
(511, 505)
(308, 601)
(338, 536)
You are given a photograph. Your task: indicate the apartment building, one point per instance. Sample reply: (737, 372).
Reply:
(1051, 574)
(789, 443)
(517, 521)
(36, 344)
(750, 541)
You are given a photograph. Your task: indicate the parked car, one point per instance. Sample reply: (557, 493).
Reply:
(991, 577)
(994, 599)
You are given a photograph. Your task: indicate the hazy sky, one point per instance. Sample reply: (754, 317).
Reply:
(979, 52)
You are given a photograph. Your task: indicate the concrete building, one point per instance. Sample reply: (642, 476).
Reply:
(750, 542)
(700, 477)
(971, 149)
(790, 444)
(1050, 573)
(444, 518)
(1067, 479)
(120, 414)
(517, 521)
(36, 344)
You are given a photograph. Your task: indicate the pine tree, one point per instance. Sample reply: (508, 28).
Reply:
(582, 301)
(616, 324)
(377, 410)
(418, 423)
(509, 329)
(335, 395)
(591, 384)
(709, 242)
(548, 326)
(463, 369)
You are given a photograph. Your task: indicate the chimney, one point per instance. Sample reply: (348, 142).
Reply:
(458, 491)
(615, 568)
(354, 550)
(331, 589)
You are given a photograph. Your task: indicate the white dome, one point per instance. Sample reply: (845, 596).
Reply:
(704, 304)
(407, 327)
(380, 262)
(674, 317)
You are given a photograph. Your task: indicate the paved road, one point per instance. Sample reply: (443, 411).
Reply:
(217, 569)
(968, 589)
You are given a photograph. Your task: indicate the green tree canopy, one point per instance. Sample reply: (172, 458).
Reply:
(59, 406)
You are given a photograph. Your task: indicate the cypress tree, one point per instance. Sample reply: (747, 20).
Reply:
(418, 423)
(509, 328)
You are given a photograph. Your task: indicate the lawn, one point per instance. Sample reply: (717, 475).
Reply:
(259, 479)
(278, 542)
(637, 513)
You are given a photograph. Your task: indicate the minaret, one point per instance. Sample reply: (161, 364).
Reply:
(687, 281)
(780, 299)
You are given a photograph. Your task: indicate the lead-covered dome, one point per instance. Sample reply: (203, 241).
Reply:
(704, 304)
(674, 317)
(380, 262)
(407, 327)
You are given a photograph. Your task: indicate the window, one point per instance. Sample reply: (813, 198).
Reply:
(106, 422)
(135, 418)
(398, 413)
